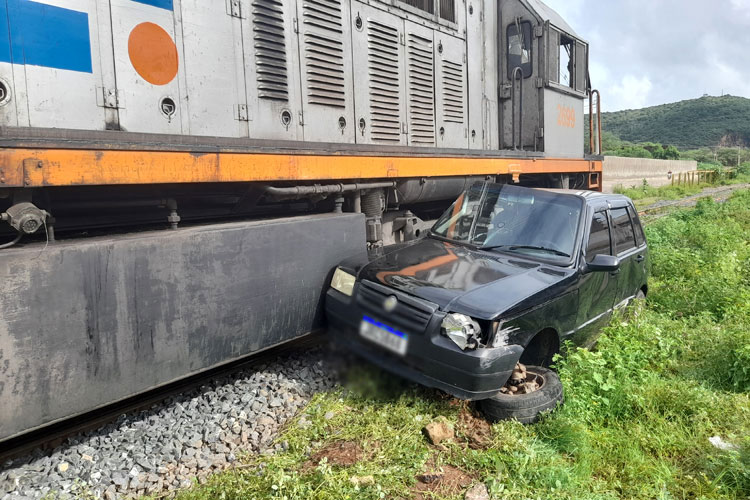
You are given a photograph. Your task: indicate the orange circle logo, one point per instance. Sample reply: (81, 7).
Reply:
(153, 53)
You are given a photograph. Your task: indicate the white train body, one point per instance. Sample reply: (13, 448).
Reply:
(420, 73)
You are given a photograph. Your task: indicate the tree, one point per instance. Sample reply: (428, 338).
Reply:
(610, 142)
(656, 150)
(703, 155)
(671, 153)
(634, 151)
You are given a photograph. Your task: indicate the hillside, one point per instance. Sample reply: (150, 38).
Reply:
(696, 123)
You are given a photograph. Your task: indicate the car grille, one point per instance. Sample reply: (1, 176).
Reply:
(411, 314)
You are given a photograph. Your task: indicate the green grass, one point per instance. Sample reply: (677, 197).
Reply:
(638, 414)
(645, 195)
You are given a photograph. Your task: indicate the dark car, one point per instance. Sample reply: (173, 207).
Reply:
(479, 306)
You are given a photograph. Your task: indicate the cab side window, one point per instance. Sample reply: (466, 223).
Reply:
(599, 239)
(519, 48)
(640, 238)
(623, 226)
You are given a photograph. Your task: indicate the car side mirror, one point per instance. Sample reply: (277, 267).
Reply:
(604, 263)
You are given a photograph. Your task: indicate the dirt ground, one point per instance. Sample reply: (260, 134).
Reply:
(340, 453)
(474, 429)
(718, 193)
(440, 481)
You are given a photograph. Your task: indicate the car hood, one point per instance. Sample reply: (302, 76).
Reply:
(479, 283)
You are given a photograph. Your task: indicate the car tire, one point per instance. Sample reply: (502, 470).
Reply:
(526, 408)
(633, 309)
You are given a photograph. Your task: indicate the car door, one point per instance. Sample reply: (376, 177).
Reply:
(631, 259)
(597, 290)
(641, 257)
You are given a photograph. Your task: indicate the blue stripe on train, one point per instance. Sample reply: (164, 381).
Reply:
(44, 35)
(162, 4)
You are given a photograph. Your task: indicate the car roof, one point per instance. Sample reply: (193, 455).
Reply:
(595, 198)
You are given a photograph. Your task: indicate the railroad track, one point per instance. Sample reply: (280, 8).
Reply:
(53, 435)
(720, 194)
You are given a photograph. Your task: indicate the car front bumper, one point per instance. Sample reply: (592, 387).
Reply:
(431, 359)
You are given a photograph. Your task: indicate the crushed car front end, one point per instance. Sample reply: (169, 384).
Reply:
(407, 335)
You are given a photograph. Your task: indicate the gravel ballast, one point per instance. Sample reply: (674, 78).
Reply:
(183, 438)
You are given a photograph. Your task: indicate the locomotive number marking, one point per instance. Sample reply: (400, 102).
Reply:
(566, 116)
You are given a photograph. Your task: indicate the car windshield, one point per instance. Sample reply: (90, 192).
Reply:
(513, 219)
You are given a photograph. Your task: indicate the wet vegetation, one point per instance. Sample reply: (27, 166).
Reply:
(640, 409)
(707, 122)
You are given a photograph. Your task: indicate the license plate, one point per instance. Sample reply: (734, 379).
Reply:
(383, 335)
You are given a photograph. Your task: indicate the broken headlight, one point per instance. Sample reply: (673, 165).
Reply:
(464, 331)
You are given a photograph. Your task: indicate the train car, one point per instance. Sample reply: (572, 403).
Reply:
(179, 177)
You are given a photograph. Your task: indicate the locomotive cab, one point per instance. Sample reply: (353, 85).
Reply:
(543, 80)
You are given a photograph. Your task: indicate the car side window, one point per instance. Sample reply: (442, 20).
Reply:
(640, 238)
(624, 234)
(599, 240)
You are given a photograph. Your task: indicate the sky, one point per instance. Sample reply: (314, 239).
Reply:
(649, 52)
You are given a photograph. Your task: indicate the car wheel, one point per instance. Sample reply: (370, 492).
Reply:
(526, 407)
(635, 306)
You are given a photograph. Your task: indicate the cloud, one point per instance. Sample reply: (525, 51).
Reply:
(742, 7)
(631, 93)
(646, 52)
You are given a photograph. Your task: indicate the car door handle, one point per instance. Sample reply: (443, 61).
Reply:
(640, 258)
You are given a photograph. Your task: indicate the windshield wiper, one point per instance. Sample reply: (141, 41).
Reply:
(525, 247)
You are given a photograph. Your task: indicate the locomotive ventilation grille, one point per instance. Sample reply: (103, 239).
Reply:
(406, 316)
(421, 91)
(383, 59)
(453, 92)
(270, 49)
(324, 52)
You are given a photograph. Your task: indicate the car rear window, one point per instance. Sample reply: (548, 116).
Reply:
(640, 238)
(624, 234)
(599, 242)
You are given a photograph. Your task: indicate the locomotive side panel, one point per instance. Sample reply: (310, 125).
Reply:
(420, 71)
(147, 64)
(213, 69)
(450, 91)
(476, 76)
(271, 64)
(51, 64)
(326, 67)
(379, 80)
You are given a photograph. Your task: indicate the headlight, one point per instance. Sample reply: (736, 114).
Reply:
(462, 330)
(343, 282)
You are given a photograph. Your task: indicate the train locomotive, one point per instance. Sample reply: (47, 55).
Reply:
(179, 177)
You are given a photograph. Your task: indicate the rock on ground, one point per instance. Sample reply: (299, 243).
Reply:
(477, 492)
(439, 430)
(185, 437)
